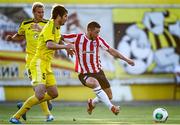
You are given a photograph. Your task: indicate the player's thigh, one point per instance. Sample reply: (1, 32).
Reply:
(40, 91)
(103, 81)
(88, 80)
(92, 82)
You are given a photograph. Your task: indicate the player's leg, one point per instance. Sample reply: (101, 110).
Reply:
(51, 86)
(26, 106)
(108, 92)
(47, 113)
(50, 81)
(103, 97)
(51, 90)
(40, 91)
(114, 109)
(106, 87)
(104, 83)
(40, 96)
(28, 72)
(39, 83)
(100, 81)
(94, 84)
(92, 102)
(19, 105)
(50, 105)
(45, 106)
(45, 109)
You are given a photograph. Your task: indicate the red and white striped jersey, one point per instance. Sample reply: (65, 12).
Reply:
(87, 52)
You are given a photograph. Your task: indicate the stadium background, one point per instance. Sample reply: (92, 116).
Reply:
(154, 79)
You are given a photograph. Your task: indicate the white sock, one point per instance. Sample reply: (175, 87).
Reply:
(102, 96)
(95, 101)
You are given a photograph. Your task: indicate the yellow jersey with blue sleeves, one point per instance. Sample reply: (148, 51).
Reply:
(48, 33)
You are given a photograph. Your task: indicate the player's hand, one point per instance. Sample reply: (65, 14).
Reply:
(70, 52)
(130, 62)
(8, 38)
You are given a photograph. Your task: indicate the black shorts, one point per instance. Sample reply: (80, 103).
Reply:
(100, 76)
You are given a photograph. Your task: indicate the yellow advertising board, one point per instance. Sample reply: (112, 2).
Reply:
(12, 66)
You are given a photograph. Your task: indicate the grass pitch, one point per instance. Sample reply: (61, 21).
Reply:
(75, 113)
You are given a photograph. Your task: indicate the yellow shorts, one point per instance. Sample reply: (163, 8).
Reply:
(41, 73)
(29, 57)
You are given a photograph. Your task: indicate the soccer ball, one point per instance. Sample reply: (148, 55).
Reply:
(160, 115)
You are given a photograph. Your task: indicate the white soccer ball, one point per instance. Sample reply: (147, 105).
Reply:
(160, 115)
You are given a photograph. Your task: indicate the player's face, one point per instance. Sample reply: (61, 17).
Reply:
(63, 19)
(38, 13)
(94, 33)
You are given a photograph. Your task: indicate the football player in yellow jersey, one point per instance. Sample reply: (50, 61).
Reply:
(30, 30)
(43, 79)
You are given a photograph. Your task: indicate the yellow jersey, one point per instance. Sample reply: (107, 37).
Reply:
(30, 34)
(48, 33)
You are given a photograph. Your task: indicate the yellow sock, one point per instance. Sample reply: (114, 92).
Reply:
(45, 108)
(33, 100)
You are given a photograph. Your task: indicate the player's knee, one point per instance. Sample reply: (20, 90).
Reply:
(54, 95)
(40, 96)
(93, 83)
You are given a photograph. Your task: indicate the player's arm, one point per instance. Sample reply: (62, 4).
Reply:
(55, 46)
(15, 38)
(19, 36)
(117, 54)
(69, 38)
(114, 52)
(70, 52)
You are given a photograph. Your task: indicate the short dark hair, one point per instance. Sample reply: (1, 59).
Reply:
(37, 5)
(93, 25)
(58, 10)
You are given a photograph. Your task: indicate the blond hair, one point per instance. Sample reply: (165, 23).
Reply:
(37, 5)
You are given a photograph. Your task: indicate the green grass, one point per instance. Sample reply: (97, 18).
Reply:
(64, 113)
